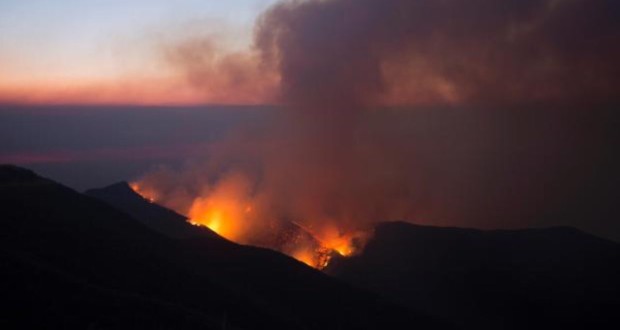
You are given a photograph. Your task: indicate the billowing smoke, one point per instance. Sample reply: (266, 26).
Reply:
(332, 164)
(220, 74)
(478, 51)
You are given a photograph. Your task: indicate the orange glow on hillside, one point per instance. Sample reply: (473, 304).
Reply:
(317, 258)
(147, 194)
(222, 215)
(225, 211)
(305, 256)
(333, 239)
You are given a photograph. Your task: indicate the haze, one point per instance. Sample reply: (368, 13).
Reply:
(476, 114)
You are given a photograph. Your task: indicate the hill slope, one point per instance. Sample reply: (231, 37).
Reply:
(158, 218)
(538, 278)
(70, 261)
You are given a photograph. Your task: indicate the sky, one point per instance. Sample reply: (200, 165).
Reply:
(71, 51)
(483, 113)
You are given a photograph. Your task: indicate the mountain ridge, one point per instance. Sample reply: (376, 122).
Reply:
(59, 247)
(163, 220)
(533, 278)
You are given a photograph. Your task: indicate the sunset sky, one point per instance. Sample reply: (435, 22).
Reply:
(213, 52)
(449, 110)
(71, 51)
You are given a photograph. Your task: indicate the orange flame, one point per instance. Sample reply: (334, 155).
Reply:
(149, 195)
(305, 256)
(333, 239)
(233, 218)
(223, 216)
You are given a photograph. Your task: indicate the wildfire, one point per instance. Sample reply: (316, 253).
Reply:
(149, 195)
(235, 219)
(318, 258)
(342, 245)
(332, 239)
(223, 216)
(305, 256)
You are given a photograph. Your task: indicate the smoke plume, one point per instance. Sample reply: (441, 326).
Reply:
(478, 51)
(220, 75)
(332, 164)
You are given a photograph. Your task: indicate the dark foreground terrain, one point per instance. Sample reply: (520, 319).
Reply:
(70, 261)
(555, 278)
(503, 279)
(110, 259)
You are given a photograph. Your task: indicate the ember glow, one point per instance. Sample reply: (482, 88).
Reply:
(233, 218)
(223, 216)
(148, 195)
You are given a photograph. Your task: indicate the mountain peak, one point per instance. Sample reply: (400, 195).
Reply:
(121, 188)
(121, 196)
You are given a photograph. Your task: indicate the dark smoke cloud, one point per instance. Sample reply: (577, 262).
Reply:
(339, 58)
(478, 51)
(523, 74)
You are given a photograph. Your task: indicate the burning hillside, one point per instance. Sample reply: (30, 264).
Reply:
(321, 172)
(233, 218)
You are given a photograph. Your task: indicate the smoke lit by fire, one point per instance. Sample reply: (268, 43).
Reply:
(148, 195)
(231, 215)
(316, 178)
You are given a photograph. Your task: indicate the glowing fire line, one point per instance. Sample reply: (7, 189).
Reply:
(343, 247)
(225, 216)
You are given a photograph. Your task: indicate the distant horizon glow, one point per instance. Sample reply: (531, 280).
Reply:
(110, 52)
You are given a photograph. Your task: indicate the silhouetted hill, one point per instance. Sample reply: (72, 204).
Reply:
(515, 279)
(174, 225)
(158, 218)
(70, 261)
